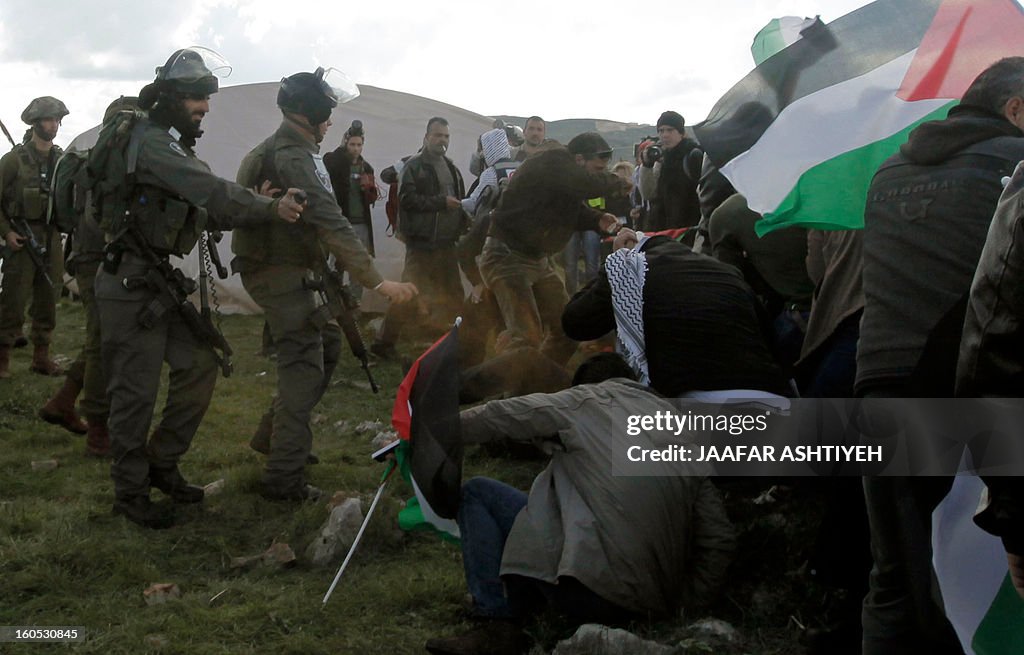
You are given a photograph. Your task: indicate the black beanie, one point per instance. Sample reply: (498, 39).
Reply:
(672, 119)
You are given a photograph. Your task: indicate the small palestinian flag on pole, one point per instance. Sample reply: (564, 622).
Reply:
(426, 416)
(802, 135)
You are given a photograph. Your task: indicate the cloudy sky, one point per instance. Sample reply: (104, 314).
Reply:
(626, 61)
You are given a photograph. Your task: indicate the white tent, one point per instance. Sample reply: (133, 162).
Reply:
(242, 116)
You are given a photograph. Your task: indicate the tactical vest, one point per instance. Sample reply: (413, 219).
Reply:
(169, 223)
(29, 195)
(276, 243)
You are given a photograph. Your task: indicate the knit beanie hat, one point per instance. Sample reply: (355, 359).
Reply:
(672, 119)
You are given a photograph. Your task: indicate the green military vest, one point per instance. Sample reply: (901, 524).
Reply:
(275, 243)
(30, 193)
(169, 224)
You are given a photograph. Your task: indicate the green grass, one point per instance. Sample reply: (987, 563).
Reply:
(65, 560)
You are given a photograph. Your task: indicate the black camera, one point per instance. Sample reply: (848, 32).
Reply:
(653, 152)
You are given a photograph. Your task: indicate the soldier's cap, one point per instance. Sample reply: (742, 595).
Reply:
(44, 107)
(589, 144)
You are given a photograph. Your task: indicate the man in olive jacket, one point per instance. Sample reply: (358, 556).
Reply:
(598, 546)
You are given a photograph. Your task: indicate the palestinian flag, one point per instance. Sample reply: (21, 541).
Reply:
(980, 600)
(802, 135)
(426, 416)
(777, 35)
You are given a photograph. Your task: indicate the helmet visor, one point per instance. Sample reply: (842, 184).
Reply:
(193, 64)
(341, 85)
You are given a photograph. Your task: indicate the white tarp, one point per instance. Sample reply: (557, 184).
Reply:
(242, 116)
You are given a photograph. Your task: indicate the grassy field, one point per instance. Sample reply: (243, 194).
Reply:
(64, 560)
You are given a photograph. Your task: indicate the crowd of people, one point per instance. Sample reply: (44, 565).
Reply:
(923, 302)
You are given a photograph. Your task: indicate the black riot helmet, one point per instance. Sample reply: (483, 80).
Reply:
(189, 71)
(315, 94)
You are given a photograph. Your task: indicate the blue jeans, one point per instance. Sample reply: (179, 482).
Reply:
(486, 513)
(587, 243)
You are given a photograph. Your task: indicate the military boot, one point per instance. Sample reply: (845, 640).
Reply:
(60, 410)
(171, 482)
(41, 362)
(5, 362)
(142, 511)
(20, 341)
(493, 637)
(97, 439)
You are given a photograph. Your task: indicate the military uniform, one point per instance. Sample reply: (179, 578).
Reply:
(87, 253)
(24, 190)
(175, 196)
(274, 261)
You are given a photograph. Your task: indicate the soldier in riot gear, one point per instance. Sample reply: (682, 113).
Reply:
(279, 262)
(154, 198)
(25, 174)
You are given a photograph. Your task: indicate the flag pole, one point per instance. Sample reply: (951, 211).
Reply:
(362, 528)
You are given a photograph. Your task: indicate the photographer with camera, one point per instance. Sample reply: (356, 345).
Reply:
(355, 187)
(665, 177)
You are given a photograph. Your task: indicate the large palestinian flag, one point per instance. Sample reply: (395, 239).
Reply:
(426, 416)
(802, 135)
(980, 600)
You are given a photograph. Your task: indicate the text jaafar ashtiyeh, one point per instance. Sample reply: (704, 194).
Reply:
(745, 453)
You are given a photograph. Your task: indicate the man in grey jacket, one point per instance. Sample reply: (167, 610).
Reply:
(597, 546)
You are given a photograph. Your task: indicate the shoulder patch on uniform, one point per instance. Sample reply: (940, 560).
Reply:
(176, 147)
(321, 172)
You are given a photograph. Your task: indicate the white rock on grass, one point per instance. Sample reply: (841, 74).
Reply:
(337, 533)
(383, 438)
(594, 639)
(370, 426)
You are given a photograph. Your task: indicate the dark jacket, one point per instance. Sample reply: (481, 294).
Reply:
(543, 204)
(928, 212)
(992, 347)
(340, 168)
(675, 203)
(425, 221)
(701, 323)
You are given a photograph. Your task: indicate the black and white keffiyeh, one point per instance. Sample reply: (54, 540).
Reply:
(626, 269)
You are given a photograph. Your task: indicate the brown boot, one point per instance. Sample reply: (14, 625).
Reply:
(60, 410)
(97, 439)
(5, 362)
(41, 362)
(493, 637)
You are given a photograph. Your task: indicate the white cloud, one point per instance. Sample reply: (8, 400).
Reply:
(621, 61)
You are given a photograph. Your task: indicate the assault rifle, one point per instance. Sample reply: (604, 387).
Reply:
(339, 304)
(172, 288)
(36, 251)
